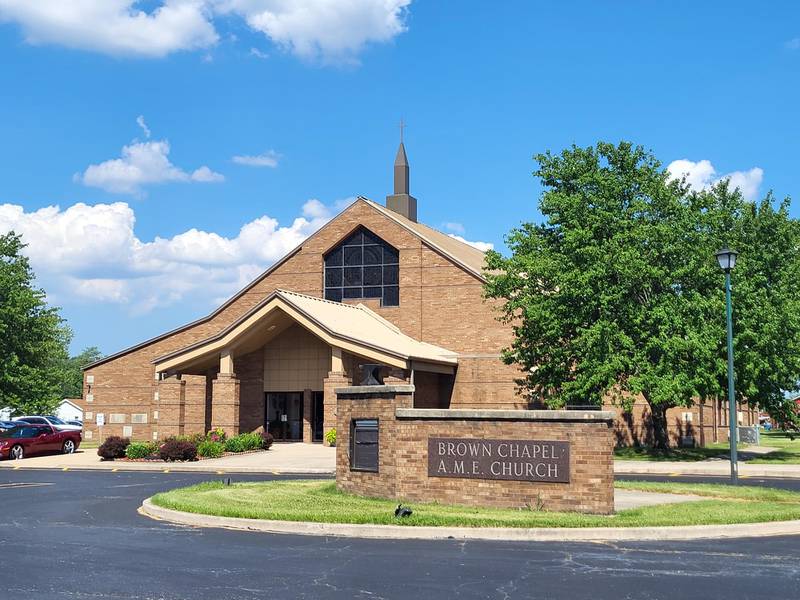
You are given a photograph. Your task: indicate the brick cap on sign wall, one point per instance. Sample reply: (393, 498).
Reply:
(505, 415)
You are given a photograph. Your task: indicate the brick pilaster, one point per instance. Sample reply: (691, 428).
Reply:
(335, 379)
(171, 407)
(225, 403)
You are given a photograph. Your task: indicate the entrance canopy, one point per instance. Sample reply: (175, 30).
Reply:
(353, 328)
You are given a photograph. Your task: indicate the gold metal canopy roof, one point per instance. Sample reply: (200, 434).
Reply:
(353, 328)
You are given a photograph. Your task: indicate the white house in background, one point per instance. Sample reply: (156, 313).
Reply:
(68, 410)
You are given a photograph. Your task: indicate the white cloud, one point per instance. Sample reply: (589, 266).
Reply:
(116, 27)
(92, 254)
(267, 159)
(331, 31)
(454, 227)
(145, 129)
(142, 163)
(482, 246)
(206, 175)
(702, 175)
(258, 53)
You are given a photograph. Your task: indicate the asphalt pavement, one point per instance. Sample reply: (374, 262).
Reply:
(77, 535)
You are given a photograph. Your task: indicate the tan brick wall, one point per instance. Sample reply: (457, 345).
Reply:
(403, 459)
(225, 412)
(295, 360)
(250, 372)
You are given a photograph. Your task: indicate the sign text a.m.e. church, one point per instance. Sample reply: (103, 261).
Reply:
(514, 460)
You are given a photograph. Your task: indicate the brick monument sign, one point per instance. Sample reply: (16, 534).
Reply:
(551, 459)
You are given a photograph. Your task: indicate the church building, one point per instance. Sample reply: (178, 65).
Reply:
(371, 287)
(372, 290)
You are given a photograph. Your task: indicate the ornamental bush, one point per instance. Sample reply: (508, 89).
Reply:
(330, 437)
(141, 449)
(244, 442)
(216, 435)
(113, 447)
(210, 449)
(176, 449)
(266, 440)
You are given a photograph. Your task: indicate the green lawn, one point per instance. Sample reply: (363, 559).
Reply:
(673, 454)
(788, 453)
(322, 502)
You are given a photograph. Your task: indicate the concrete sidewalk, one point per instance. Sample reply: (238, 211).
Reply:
(281, 458)
(705, 467)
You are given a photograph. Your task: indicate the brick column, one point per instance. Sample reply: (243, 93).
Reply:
(333, 381)
(225, 403)
(172, 407)
(308, 416)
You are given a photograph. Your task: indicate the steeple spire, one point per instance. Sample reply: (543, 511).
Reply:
(401, 201)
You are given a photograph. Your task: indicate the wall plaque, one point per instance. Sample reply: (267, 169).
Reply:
(514, 460)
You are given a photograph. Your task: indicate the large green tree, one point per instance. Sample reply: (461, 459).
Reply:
(72, 371)
(617, 293)
(33, 337)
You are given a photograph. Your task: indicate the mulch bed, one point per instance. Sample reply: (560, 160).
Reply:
(158, 459)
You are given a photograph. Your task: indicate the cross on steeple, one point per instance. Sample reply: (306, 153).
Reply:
(402, 126)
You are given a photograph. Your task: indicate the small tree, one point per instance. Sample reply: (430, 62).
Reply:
(72, 371)
(616, 295)
(33, 337)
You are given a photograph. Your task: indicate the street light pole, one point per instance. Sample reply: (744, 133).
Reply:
(727, 260)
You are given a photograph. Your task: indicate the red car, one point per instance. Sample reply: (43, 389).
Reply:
(26, 439)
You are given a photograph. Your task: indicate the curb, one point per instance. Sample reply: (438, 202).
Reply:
(173, 468)
(545, 534)
(695, 471)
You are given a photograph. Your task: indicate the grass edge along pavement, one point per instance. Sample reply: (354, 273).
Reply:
(320, 502)
(788, 451)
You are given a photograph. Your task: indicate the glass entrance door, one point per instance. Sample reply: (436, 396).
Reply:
(283, 416)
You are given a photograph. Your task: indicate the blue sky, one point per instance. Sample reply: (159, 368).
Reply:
(132, 243)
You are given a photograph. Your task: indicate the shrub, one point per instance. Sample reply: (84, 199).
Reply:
(243, 442)
(330, 437)
(113, 447)
(176, 449)
(210, 449)
(216, 435)
(266, 440)
(141, 449)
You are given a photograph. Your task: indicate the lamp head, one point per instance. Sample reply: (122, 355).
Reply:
(726, 259)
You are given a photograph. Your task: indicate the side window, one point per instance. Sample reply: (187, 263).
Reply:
(363, 266)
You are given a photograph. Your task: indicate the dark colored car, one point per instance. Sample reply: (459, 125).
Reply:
(23, 440)
(5, 425)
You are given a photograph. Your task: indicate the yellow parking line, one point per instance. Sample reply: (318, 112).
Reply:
(743, 476)
(220, 472)
(65, 469)
(675, 474)
(18, 467)
(276, 472)
(115, 469)
(166, 470)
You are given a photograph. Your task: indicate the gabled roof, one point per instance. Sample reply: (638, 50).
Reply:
(73, 402)
(462, 254)
(354, 328)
